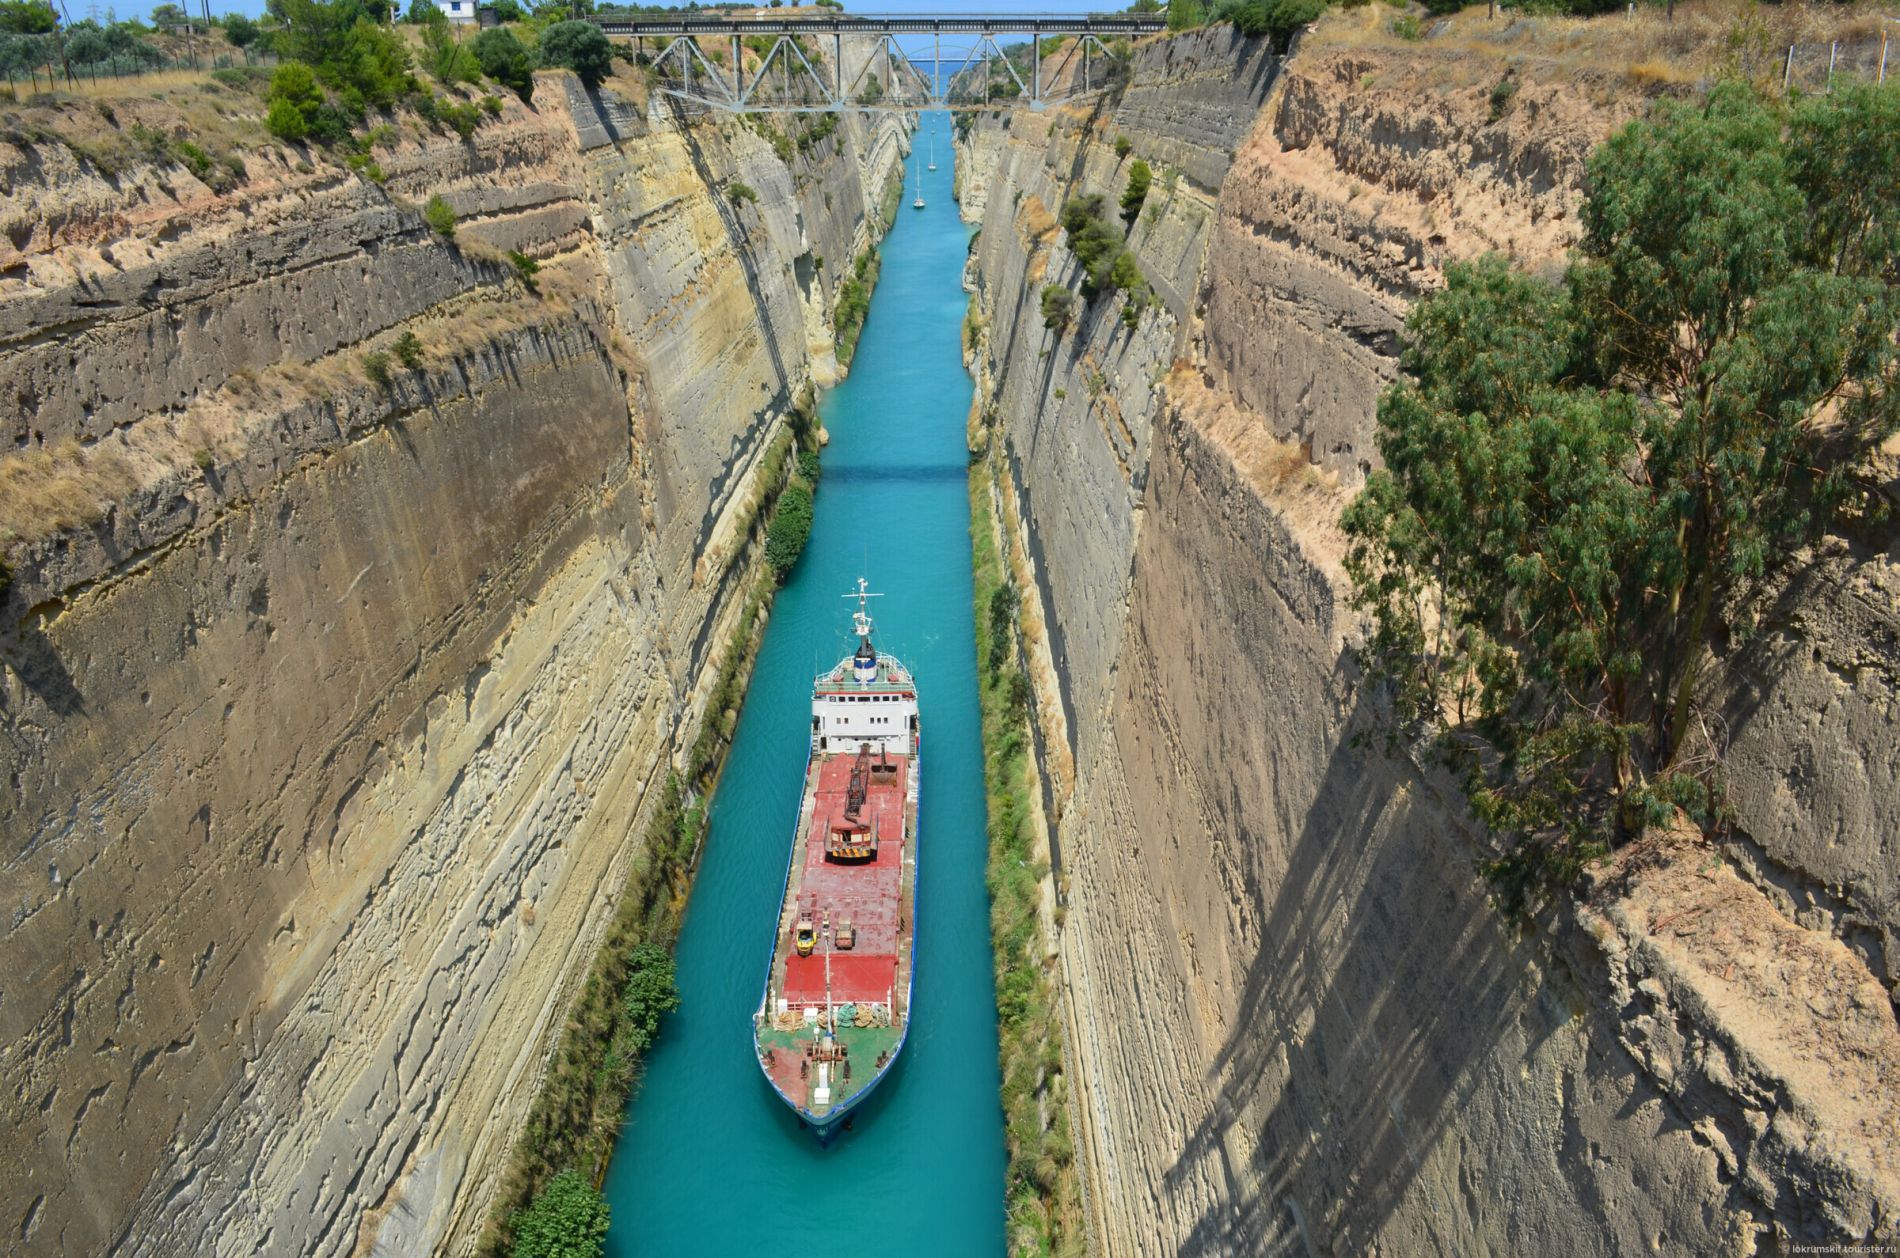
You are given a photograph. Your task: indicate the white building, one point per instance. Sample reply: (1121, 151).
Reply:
(461, 12)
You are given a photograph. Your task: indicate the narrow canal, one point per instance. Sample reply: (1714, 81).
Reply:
(711, 1162)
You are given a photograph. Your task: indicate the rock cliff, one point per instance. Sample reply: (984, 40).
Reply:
(334, 687)
(1295, 1023)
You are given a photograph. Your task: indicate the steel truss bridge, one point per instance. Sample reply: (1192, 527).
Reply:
(790, 76)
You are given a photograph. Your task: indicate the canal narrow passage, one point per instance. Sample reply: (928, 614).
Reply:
(711, 1162)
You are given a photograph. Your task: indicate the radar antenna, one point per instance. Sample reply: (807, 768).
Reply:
(861, 619)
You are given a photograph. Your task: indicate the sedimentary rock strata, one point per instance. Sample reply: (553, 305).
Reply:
(333, 692)
(1295, 1022)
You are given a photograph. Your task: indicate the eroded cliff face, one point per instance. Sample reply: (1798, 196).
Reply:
(1296, 1024)
(331, 705)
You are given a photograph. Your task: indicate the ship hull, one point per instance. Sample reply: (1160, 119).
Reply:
(784, 1034)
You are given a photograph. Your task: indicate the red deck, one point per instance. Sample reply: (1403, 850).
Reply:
(853, 978)
(867, 894)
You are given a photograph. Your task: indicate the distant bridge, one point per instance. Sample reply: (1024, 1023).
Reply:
(790, 78)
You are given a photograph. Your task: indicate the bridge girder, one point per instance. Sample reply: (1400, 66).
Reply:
(805, 88)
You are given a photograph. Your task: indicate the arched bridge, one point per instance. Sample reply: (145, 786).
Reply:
(803, 64)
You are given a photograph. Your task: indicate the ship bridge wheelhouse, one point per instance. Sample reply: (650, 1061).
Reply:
(867, 699)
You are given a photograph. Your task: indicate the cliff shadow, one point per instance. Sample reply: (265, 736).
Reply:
(1382, 987)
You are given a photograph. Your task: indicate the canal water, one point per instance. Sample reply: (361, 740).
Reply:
(710, 1161)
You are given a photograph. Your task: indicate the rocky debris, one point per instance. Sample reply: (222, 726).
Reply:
(1773, 1041)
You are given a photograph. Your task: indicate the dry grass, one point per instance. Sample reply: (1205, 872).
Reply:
(97, 124)
(1039, 225)
(1705, 39)
(61, 486)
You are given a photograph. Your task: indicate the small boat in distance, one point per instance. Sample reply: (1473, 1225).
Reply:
(836, 1005)
(933, 151)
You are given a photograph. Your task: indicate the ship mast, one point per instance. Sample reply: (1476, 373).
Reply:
(861, 619)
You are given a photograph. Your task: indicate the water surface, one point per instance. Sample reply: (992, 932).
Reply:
(711, 1162)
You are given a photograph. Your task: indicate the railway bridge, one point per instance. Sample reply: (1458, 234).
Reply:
(700, 58)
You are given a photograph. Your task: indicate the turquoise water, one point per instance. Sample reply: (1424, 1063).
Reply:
(711, 1162)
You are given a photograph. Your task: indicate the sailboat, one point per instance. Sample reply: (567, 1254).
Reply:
(918, 204)
(933, 151)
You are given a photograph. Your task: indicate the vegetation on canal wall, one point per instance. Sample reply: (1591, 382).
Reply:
(1043, 1194)
(854, 295)
(613, 1021)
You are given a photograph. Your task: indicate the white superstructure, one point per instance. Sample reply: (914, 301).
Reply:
(868, 698)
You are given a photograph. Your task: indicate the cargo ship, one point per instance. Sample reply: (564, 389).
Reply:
(836, 1004)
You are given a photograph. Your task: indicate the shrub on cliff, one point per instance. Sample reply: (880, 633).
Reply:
(376, 367)
(1058, 303)
(1586, 482)
(294, 99)
(439, 216)
(408, 350)
(580, 47)
(504, 59)
(1107, 264)
(1139, 177)
(651, 993)
(791, 525)
(1091, 238)
(568, 1219)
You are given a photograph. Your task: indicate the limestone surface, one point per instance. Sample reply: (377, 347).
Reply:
(1295, 1024)
(335, 689)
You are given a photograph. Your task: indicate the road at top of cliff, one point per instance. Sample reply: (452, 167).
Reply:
(710, 1161)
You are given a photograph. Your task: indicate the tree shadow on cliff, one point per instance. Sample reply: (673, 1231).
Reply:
(41, 671)
(1381, 989)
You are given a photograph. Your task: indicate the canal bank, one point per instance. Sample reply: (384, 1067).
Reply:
(710, 1161)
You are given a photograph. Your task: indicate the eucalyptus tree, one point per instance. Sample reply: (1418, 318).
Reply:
(1583, 480)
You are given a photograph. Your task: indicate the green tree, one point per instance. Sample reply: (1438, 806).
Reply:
(1185, 15)
(447, 59)
(580, 47)
(240, 31)
(504, 59)
(1584, 481)
(168, 16)
(294, 101)
(1139, 177)
(27, 17)
(1279, 18)
(86, 43)
(651, 993)
(408, 349)
(567, 1219)
(345, 48)
(1057, 305)
(439, 216)
(791, 525)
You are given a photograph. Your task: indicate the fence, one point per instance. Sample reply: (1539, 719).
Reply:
(1814, 67)
(34, 61)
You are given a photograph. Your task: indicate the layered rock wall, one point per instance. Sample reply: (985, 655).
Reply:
(331, 703)
(1297, 1025)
